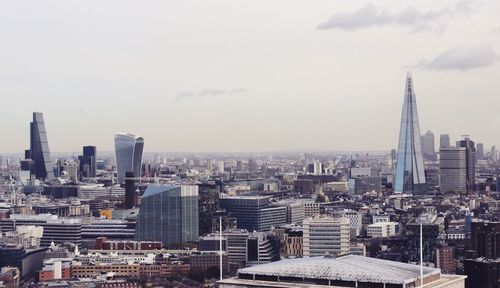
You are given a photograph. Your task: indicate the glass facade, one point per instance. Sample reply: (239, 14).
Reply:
(128, 149)
(410, 173)
(39, 148)
(168, 214)
(254, 212)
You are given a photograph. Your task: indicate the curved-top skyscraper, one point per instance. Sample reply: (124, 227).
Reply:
(410, 172)
(128, 149)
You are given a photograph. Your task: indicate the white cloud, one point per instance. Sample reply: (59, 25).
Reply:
(371, 16)
(463, 58)
(207, 93)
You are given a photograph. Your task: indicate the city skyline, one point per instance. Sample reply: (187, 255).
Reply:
(247, 96)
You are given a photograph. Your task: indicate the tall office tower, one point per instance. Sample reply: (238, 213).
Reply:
(88, 161)
(130, 187)
(410, 175)
(470, 154)
(493, 154)
(428, 145)
(444, 141)
(453, 169)
(41, 164)
(324, 234)
(168, 214)
(208, 205)
(479, 151)
(128, 149)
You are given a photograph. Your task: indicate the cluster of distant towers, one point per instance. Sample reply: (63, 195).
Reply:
(457, 164)
(128, 147)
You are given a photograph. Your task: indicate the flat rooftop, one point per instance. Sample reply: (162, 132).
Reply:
(345, 268)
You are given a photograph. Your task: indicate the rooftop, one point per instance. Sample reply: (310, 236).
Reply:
(346, 268)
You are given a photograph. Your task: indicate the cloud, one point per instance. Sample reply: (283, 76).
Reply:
(370, 16)
(495, 30)
(463, 58)
(207, 93)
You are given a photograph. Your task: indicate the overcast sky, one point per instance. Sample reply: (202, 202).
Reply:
(246, 75)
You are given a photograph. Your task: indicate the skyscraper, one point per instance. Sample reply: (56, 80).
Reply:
(479, 151)
(39, 152)
(410, 175)
(470, 154)
(453, 169)
(444, 141)
(493, 154)
(128, 149)
(88, 164)
(168, 214)
(428, 145)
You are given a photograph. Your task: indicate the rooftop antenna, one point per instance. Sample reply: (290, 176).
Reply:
(421, 258)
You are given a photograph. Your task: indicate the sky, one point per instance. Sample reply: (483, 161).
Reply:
(246, 75)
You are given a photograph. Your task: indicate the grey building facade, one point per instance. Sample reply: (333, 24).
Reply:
(168, 214)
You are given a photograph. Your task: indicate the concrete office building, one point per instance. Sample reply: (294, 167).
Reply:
(168, 214)
(55, 230)
(254, 212)
(355, 220)
(453, 170)
(381, 230)
(326, 235)
(295, 212)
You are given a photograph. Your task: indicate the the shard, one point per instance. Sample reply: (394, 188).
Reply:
(410, 172)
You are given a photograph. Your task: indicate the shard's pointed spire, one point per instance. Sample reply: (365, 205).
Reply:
(410, 175)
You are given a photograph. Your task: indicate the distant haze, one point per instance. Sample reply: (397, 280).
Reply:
(245, 75)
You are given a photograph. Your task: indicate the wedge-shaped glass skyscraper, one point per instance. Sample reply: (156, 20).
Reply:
(410, 173)
(128, 149)
(39, 149)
